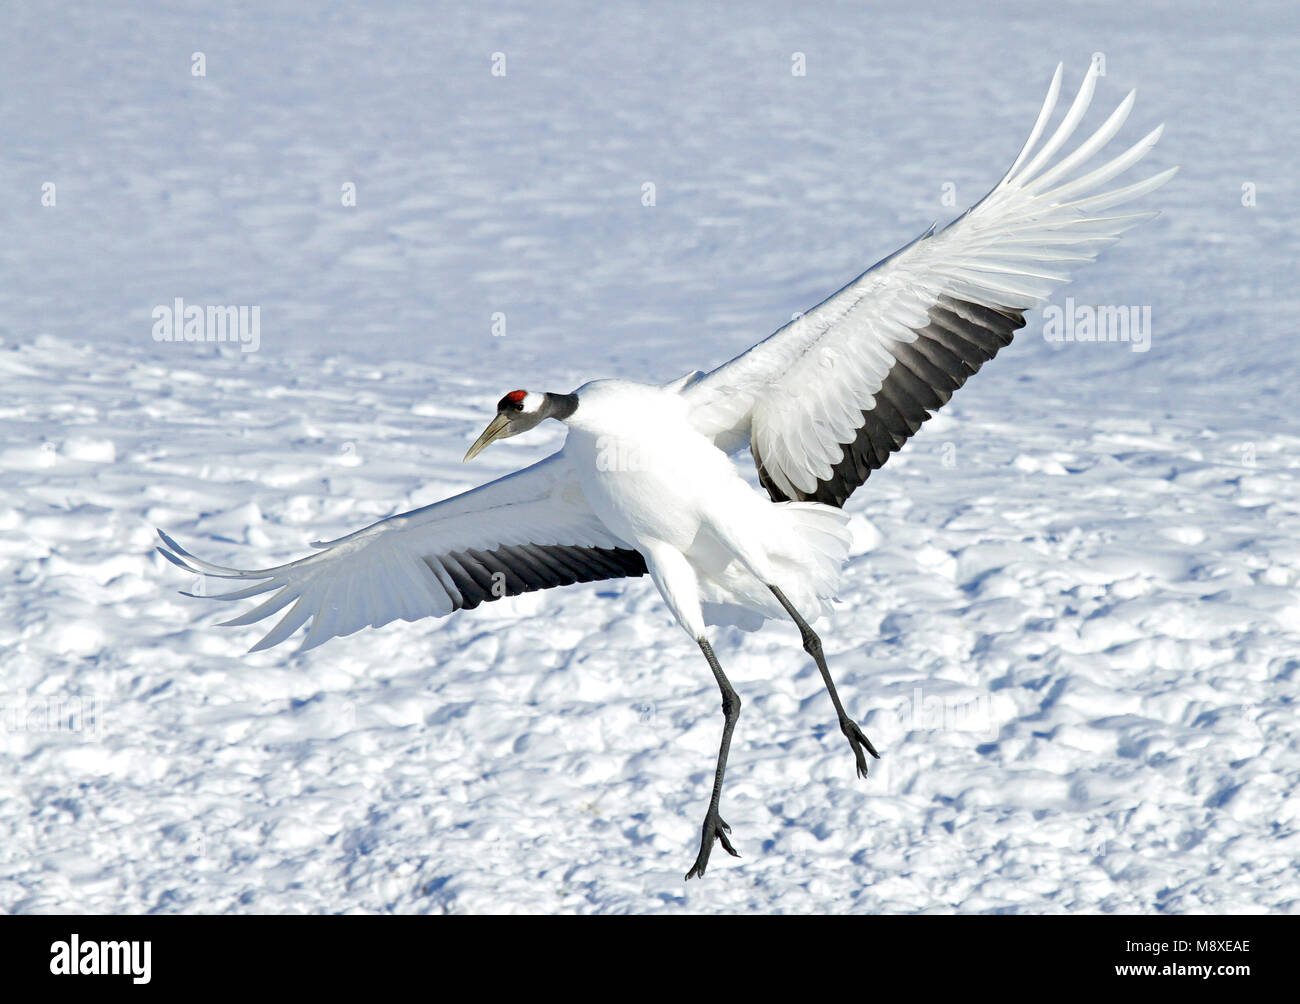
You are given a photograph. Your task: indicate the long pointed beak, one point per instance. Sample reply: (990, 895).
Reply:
(495, 430)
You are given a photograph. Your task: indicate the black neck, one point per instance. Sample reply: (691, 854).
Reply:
(560, 406)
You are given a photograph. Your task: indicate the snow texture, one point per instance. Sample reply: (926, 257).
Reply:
(1071, 622)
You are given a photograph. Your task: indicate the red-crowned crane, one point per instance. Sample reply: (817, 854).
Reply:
(645, 481)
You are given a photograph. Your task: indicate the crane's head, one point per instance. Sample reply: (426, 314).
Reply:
(518, 412)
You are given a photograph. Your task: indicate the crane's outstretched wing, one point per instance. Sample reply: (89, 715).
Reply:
(529, 530)
(826, 399)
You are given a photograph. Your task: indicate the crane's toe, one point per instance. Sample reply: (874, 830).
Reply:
(857, 740)
(715, 828)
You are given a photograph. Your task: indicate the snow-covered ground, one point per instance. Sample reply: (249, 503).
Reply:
(1071, 625)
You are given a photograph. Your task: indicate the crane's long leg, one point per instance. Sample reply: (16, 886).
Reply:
(813, 646)
(714, 828)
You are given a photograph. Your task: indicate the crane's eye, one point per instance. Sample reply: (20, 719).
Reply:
(519, 406)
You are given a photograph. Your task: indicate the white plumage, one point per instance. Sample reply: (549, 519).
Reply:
(644, 481)
(653, 480)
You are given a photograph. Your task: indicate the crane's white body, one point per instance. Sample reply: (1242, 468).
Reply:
(712, 543)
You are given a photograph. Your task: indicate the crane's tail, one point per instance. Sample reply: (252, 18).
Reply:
(811, 554)
(802, 552)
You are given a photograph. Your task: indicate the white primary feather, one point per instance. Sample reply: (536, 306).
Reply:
(799, 396)
(400, 567)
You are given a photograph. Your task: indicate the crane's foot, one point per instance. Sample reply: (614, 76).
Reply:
(714, 829)
(858, 739)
